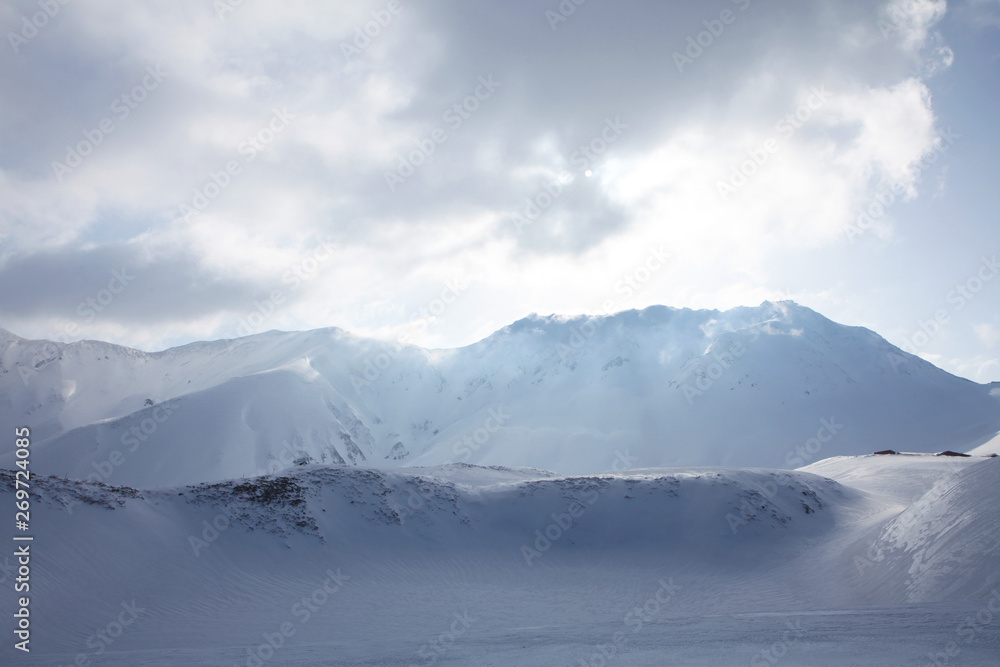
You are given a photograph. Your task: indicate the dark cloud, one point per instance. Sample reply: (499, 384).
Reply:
(122, 283)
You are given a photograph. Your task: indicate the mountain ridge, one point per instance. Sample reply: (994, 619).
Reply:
(750, 386)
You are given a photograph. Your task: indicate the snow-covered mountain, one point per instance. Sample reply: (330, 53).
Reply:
(320, 498)
(852, 560)
(775, 386)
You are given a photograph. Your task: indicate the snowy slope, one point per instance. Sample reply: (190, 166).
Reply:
(949, 540)
(521, 566)
(943, 540)
(226, 431)
(987, 448)
(776, 386)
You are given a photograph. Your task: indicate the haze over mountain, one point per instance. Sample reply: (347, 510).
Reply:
(776, 385)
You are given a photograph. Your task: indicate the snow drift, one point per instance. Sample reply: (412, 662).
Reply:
(371, 566)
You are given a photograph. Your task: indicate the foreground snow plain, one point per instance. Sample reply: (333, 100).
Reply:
(870, 560)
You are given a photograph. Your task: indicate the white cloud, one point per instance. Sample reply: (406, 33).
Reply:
(979, 368)
(324, 176)
(988, 334)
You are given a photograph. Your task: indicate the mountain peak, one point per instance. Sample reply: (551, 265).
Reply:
(8, 338)
(667, 386)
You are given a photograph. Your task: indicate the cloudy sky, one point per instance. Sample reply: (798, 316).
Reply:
(182, 170)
